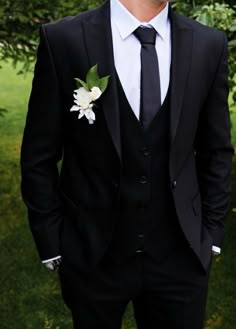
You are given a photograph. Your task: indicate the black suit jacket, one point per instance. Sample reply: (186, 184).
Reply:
(74, 213)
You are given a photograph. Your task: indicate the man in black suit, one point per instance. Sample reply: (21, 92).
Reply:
(138, 207)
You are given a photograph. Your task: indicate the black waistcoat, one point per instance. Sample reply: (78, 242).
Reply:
(147, 218)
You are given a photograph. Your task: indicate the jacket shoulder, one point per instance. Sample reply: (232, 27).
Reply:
(69, 22)
(199, 29)
(208, 39)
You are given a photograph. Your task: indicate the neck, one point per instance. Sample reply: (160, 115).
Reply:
(144, 10)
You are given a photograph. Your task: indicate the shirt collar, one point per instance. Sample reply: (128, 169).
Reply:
(126, 23)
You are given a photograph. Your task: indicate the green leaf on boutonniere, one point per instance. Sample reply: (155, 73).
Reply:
(92, 78)
(103, 83)
(81, 83)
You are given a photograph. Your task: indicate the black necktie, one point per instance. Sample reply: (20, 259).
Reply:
(150, 78)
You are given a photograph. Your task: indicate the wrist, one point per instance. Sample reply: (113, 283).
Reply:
(53, 264)
(51, 259)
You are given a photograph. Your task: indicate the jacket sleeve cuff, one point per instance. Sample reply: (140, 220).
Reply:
(216, 250)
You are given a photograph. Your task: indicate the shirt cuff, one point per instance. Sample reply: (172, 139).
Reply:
(50, 260)
(216, 250)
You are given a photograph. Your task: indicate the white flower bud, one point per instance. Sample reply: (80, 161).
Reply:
(82, 98)
(95, 93)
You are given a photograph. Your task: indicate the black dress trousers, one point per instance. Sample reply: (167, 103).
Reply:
(167, 295)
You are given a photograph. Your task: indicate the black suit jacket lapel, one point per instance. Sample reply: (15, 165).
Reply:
(182, 42)
(98, 39)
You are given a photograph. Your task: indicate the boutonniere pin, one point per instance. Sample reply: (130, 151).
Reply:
(87, 94)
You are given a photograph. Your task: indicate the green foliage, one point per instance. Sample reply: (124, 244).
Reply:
(30, 295)
(20, 20)
(2, 112)
(19, 23)
(221, 16)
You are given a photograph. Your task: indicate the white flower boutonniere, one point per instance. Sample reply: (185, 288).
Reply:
(88, 92)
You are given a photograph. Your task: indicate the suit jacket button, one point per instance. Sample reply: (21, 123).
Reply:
(145, 151)
(174, 184)
(115, 184)
(143, 180)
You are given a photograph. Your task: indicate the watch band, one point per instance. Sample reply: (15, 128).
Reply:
(54, 265)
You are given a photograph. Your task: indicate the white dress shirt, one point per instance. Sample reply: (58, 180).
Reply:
(127, 50)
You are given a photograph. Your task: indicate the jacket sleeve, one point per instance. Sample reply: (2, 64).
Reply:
(41, 150)
(214, 151)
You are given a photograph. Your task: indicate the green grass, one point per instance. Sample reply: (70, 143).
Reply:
(29, 294)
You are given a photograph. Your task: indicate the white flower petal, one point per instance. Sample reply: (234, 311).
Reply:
(77, 102)
(84, 94)
(81, 114)
(74, 108)
(95, 93)
(82, 98)
(92, 115)
(87, 114)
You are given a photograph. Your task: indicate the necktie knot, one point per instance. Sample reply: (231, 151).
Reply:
(146, 35)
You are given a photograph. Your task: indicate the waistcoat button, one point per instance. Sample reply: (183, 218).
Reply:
(115, 184)
(174, 184)
(143, 180)
(144, 150)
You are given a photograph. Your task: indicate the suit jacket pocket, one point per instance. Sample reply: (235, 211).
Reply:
(196, 204)
(69, 206)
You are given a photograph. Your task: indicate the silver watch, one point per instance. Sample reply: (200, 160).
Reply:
(54, 265)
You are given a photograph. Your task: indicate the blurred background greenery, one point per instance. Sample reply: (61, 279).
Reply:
(29, 294)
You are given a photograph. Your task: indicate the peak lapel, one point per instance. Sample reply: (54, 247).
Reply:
(182, 38)
(98, 39)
